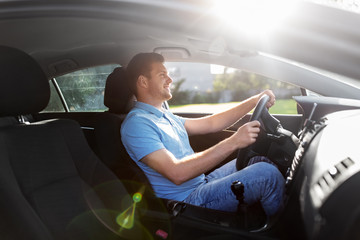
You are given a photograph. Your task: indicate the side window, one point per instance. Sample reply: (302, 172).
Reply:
(55, 104)
(206, 88)
(81, 91)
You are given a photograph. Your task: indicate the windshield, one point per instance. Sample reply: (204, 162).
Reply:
(349, 5)
(349, 81)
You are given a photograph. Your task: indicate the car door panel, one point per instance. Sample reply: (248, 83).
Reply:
(85, 119)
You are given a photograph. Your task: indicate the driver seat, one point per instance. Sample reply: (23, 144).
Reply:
(119, 100)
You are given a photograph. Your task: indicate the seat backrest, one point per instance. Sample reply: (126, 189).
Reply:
(118, 97)
(119, 100)
(52, 186)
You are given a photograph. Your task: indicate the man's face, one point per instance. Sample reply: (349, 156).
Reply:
(159, 82)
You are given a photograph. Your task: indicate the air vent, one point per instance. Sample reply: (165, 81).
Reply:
(347, 162)
(340, 168)
(325, 182)
(332, 178)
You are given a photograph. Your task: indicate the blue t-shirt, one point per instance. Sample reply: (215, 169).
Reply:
(146, 129)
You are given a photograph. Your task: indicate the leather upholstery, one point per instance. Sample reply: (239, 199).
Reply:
(119, 100)
(24, 86)
(118, 97)
(52, 186)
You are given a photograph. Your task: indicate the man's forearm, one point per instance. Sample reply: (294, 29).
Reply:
(198, 163)
(181, 170)
(223, 120)
(220, 121)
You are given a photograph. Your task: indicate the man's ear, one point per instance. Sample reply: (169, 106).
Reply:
(142, 81)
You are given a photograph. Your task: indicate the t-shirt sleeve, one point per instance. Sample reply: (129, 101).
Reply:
(140, 137)
(182, 119)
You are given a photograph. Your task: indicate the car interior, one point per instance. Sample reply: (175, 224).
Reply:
(53, 185)
(48, 182)
(66, 175)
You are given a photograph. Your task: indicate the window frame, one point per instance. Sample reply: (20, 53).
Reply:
(258, 78)
(60, 95)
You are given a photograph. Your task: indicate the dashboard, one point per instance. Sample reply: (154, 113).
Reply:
(326, 167)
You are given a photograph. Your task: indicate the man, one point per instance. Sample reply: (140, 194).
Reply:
(158, 142)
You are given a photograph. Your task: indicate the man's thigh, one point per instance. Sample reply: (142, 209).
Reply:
(217, 194)
(223, 171)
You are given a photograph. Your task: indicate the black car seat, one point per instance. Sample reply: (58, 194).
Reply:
(52, 186)
(119, 101)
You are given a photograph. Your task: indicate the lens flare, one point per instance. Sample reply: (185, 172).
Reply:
(120, 210)
(126, 218)
(137, 197)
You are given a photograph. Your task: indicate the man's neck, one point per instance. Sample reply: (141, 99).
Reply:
(156, 104)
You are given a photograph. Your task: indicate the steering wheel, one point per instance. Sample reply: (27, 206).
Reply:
(269, 123)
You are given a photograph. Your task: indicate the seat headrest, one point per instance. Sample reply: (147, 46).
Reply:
(24, 86)
(118, 97)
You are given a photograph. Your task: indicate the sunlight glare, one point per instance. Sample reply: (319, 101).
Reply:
(126, 218)
(254, 17)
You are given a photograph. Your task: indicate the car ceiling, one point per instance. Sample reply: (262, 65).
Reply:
(67, 35)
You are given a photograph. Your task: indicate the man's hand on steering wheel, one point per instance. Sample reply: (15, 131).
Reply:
(247, 134)
(271, 100)
(264, 100)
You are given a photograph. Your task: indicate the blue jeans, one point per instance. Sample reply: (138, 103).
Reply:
(263, 182)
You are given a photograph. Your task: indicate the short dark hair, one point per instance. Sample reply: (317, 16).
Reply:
(140, 64)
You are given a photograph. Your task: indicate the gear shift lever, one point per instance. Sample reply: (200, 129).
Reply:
(237, 188)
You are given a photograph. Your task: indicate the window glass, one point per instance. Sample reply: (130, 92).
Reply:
(55, 104)
(349, 5)
(207, 88)
(84, 90)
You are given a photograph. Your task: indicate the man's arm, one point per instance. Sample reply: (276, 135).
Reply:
(225, 119)
(182, 170)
